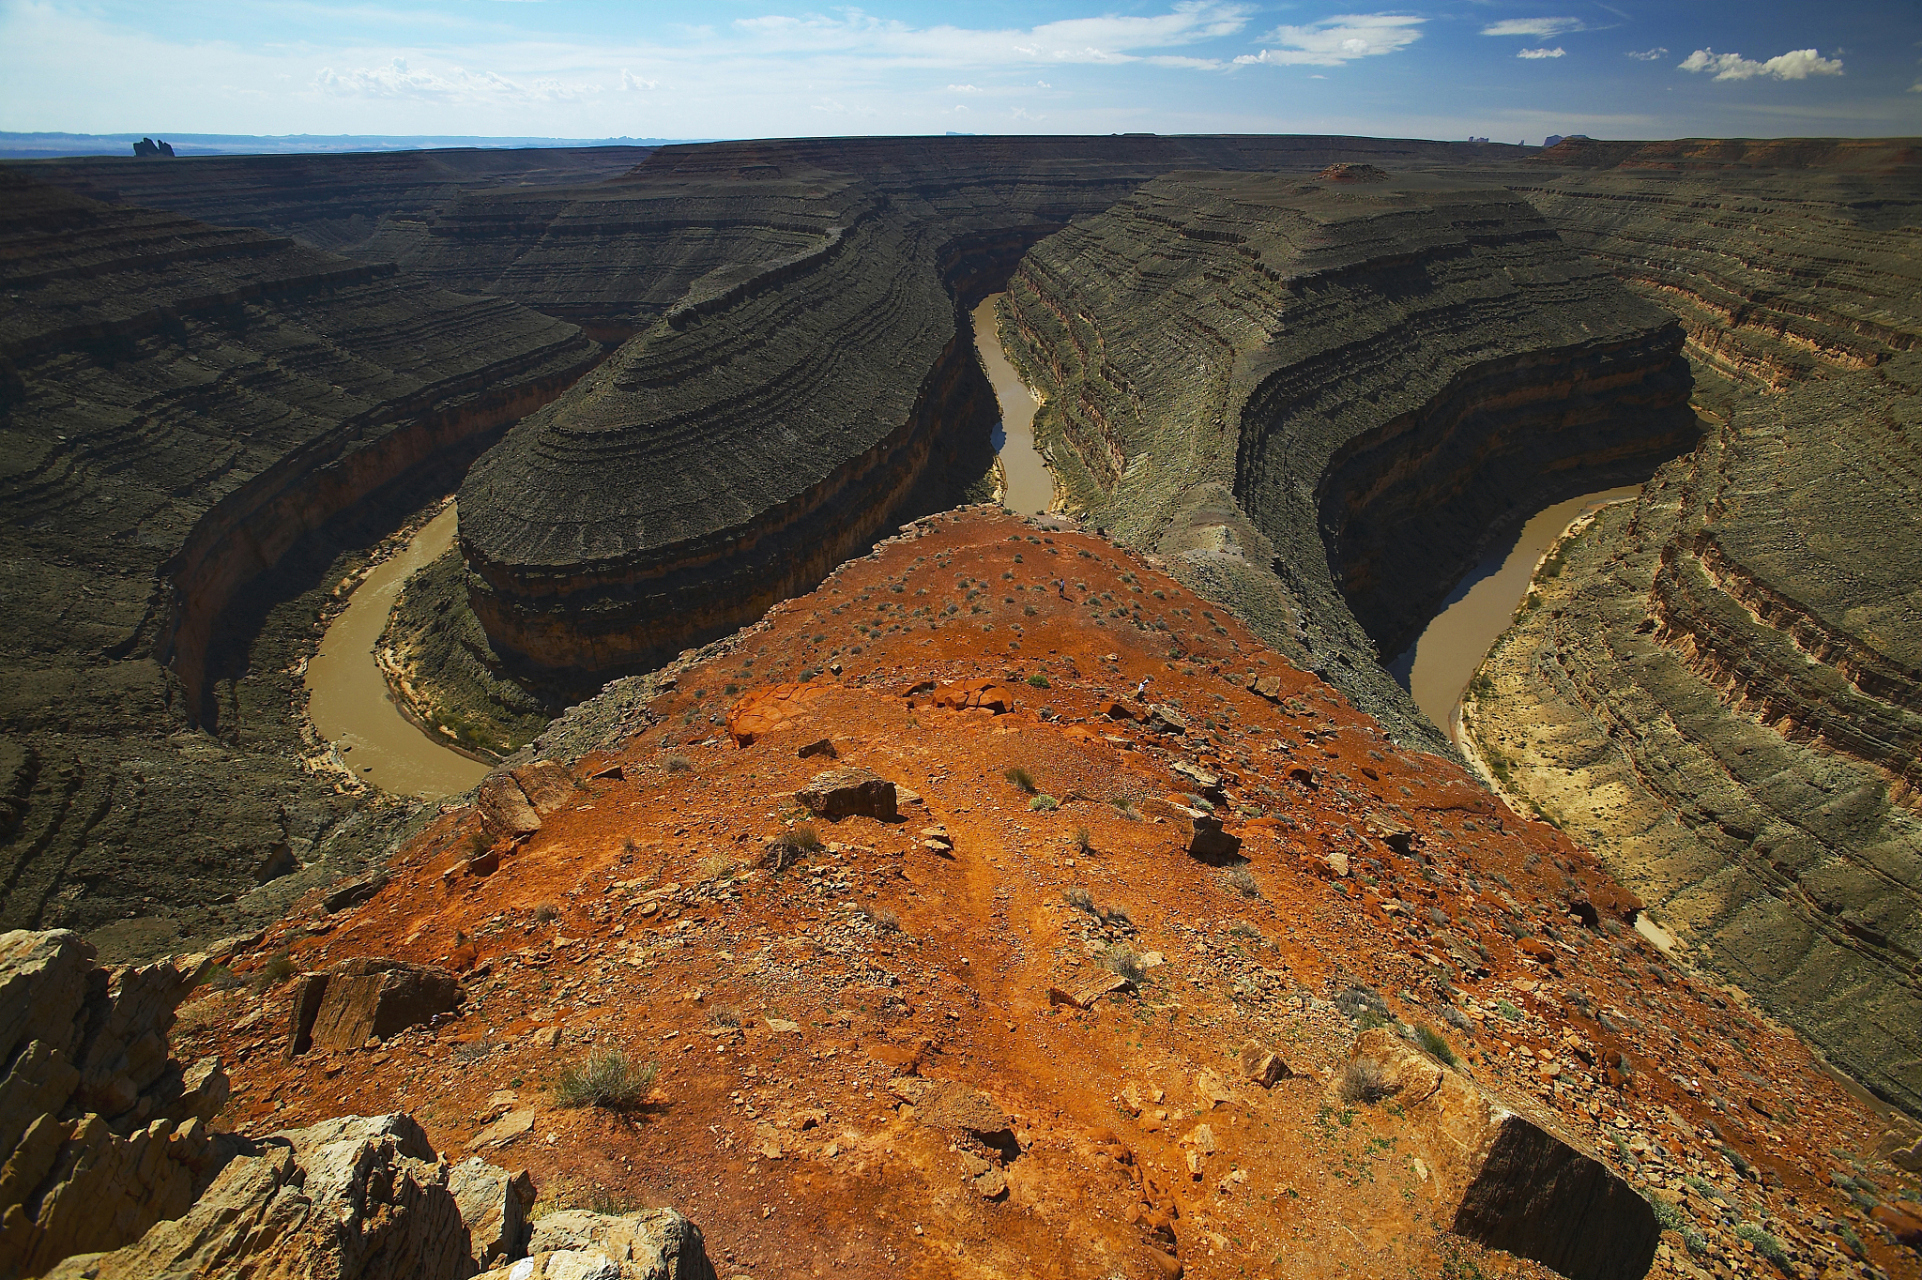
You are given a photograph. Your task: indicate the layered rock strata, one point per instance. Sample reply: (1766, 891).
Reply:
(333, 202)
(183, 406)
(1718, 690)
(729, 457)
(1322, 399)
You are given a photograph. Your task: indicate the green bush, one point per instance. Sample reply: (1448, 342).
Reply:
(1038, 680)
(1434, 1046)
(1044, 804)
(610, 1081)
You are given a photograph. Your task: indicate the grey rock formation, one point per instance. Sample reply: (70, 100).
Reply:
(186, 406)
(1318, 399)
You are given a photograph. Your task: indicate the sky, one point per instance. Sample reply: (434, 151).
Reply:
(1502, 69)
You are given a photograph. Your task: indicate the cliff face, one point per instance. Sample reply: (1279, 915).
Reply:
(1355, 386)
(801, 357)
(331, 201)
(1720, 687)
(182, 405)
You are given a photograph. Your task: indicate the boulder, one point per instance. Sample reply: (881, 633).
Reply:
(764, 711)
(494, 1204)
(1165, 720)
(1117, 710)
(367, 996)
(1207, 840)
(546, 785)
(844, 793)
(1268, 687)
(655, 1244)
(1206, 784)
(504, 807)
(1261, 1066)
(353, 891)
(964, 695)
(1508, 1180)
(819, 747)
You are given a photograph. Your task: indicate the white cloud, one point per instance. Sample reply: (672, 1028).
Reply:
(1796, 64)
(962, 88)
(1649, 55)
(1540, 28)
(1043, 84)
(1334, 41)
(632, 83)
(456, 84)
(1110, 39)
(1533, 54)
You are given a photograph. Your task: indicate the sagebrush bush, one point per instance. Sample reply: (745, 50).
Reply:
(611, 1081)
(1366, 1081)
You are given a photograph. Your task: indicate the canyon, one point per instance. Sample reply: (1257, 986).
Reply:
(714, 415)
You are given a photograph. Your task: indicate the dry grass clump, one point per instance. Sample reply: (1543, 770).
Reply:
(611, 1081)
(679, 764)
(1021, 778)
(1123, 961)
(1242, 881)
(790, 845)
(1366, 1081)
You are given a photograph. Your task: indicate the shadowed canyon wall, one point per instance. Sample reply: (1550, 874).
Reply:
(1718, 687)
(182, 405)
(1321, 397)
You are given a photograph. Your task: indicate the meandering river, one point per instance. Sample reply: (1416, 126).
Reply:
(1436, 669)
(347, 697)
(1030, 488)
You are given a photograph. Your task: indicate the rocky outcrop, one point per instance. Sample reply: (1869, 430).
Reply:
(185, 406)
(1321, 399)
(1505, 1179)
(103, 1133)
(367, 998)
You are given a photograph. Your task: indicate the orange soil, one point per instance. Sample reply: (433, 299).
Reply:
(787, 1146)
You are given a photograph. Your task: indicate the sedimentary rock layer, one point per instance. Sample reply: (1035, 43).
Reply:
(331, 201)
(1350, 387)
(1719, 692)
(182, 404)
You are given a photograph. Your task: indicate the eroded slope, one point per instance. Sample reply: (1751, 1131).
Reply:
(1323, 397)
(184, 406)
(861, 1067)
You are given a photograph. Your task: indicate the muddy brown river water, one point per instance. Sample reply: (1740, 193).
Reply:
(348, 699)
(1030, 488)
(347, 696)
(1437, 668)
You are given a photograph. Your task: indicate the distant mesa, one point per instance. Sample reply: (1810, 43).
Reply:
(148, 147)
(1355, 173)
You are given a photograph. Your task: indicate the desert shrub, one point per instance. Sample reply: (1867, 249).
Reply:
(788, 847)
(679, 764)
(1242, 881)
(1508, 1011)
(1434, 1046)
(1083, 840)
(611, 1081)
(722, 1015)
(1044, 804)
(1021, 778)
(1115, 916)
(1124, 962)
(1081, 900)
(1038, 681)
(715, 866)
(546, 913)
(1126, 807)
(1765, 1244)
(279, 968)
(1365, 1081)
(886, 921)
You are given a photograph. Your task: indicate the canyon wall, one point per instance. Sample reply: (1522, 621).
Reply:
(1322, 397)
(181, 405)
(1717, 687)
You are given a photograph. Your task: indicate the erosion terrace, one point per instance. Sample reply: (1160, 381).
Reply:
(873, 882)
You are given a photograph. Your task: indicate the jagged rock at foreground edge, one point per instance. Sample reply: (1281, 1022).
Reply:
(184, 406)
(1318, 397)
(112, 1171)
(1027, 1032)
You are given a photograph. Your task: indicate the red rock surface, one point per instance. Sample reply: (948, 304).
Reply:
(803, 1019)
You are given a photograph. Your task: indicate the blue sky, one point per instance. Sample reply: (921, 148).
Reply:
(761, 68)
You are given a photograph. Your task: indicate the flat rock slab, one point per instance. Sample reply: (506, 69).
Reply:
(367, 998)
(847, 793)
